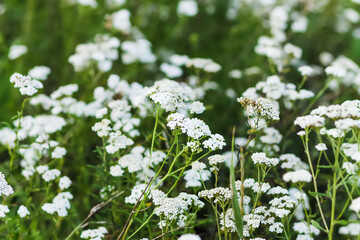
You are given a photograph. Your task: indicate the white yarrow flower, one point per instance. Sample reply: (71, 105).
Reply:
(23, 211)
(321, 147)
(355, 205)
(27, 85)
(64, 182)
(5, 188)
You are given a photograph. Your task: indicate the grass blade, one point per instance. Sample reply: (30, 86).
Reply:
(235, 200)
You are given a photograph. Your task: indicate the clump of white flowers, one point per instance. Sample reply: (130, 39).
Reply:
(187, 8)
(206, 65)
(219, 194)
(305, 230)
(321, 147)
(102, 52)
(5, 188)
(39, 72)
(260, 108)
(26, 84)
(355, 205)
(64, 183)
(193, 127)
(196, 175)
(170, 95)
(260, 158)
(189, 236)
(23, 211)
(60, 204)
(309, 121)
(352, 229)
(171, 209)
(102, 128)
(3, 210)
(94, 234)
(216, 159)
(297, 176)
(117, 141)
(17, 51)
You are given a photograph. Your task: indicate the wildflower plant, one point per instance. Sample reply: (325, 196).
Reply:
(177, 120)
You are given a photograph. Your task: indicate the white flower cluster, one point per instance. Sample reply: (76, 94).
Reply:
(102, 53)
(260, 158)
(216, 159)
(297, 176)
(5, 188)
(121, 20)
(33, 153)
(27, 85)
(355, 205)
(102, 128)
(306, 70)
(346, 110)
(271, 136)
(175, 208)
(170, 70)
(189, 236)
(187, 8)
(117, 141)
(310, 121)
(94, 234)
(228, 221)
(136, 192)
(39, 125)
(64, 182)
(60, 204)
(291, 161)
(260, 108)
(23, 211)
(277, 190)
(206, 65)
(343, 71)
(138, 160)
(216, 141)
(46, 174)
(196, 175)
(279, 208)
(193, 127)
(274, 49)
(218, 194)
(194, 147)
(321, 147)
(87, 3)
(17, 51)
(59, 152)
(274, 89)
(3, 210)
(39, 72)
(137, 50)
(170, 95)
(352, 229)
(305, 230)
(301, 200)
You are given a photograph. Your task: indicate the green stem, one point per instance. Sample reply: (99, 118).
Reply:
(20, 116)
(314, 178)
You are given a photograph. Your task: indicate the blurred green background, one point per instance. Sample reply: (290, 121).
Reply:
(51, 30)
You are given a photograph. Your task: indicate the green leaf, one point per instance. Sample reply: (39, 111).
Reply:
(235, 200)
(314, 194)
(342, 222)
(317, 225)
(324, 166)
